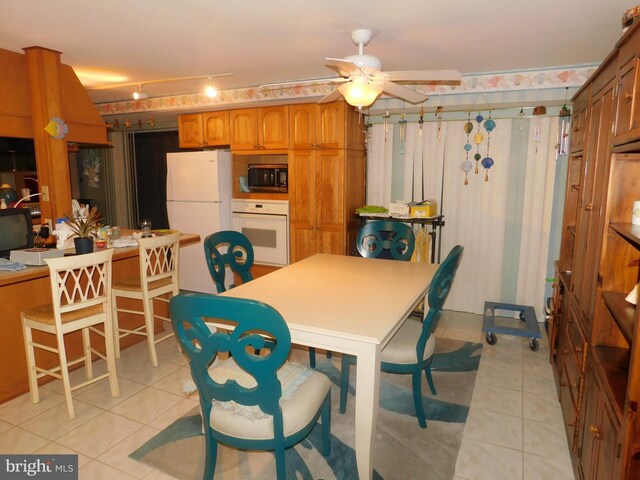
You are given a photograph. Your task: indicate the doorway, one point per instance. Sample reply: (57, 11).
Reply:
(151, 174)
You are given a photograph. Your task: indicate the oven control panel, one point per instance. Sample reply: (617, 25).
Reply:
(267, 207)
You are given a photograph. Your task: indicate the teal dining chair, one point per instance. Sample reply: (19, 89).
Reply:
(386, 239)
(249, 401)
(238, 256)
(381, 239)
(411, 348)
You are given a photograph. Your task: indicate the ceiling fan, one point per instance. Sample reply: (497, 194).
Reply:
(364, 80)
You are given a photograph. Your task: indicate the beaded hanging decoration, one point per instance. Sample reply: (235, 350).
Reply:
(421, 121)
(487, 162)
(478, 138)
(466, 165)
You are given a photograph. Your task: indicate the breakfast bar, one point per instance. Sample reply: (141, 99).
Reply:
(31, 287)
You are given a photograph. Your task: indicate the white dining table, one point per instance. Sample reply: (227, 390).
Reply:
(351, 305)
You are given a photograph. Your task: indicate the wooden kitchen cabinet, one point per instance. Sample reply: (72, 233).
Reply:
(260, 128)
(334, 125)
(199, 130)
(326, 178)
(325, 187)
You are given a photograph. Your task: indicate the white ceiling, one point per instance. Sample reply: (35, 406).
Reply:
(266, 41)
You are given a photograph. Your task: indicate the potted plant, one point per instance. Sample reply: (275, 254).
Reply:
(85, 227)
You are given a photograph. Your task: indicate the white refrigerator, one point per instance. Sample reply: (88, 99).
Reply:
(198, 201)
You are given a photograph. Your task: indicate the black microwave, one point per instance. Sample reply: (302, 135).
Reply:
(268, 177)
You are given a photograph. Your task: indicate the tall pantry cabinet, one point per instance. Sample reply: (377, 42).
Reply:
(326, 177)
(595, 339)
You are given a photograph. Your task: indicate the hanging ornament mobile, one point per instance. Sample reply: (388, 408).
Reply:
(487, 162)
(386, 118)
(468, 128)
(403, 125)
(478, 138)
(421, 121)
(439, 122)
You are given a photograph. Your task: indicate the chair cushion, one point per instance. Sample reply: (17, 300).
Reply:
(401, 348)
(44, 314)
(303, 391)
(132, 284)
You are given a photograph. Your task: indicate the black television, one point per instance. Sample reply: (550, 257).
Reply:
(16, 230)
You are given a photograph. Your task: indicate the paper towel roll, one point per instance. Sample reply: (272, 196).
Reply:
(635, 213)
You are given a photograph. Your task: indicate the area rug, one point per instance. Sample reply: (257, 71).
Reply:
(402, 449)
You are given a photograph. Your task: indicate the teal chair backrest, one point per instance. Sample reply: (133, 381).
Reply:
(386, 239)
(438, 292)
(253, 321)
(238, 256)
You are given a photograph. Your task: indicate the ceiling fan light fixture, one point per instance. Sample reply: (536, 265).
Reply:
(360, 94)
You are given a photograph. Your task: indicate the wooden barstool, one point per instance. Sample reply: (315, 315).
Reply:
(158, 280)
(81, 293)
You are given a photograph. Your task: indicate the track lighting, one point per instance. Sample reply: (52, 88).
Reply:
(210, 91)
(139, 94)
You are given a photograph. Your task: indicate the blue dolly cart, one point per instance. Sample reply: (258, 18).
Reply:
(527, 315)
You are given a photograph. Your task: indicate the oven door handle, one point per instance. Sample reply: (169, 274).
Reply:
(261, 214)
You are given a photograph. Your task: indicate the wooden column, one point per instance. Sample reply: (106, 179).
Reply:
(43, 66)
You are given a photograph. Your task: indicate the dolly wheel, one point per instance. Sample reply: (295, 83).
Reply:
(533, 345)
(522, 315)
(491, 338)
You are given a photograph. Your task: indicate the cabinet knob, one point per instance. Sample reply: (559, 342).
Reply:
(628, 96)
(578, 349)
(571, 423)
(595, 431)
(588, 207)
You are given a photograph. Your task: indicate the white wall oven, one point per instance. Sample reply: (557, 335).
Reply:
(266, 224)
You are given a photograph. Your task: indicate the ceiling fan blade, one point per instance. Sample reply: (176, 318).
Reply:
(435, 77)
(344, 67)
(332, 97)
(404, 93)
(304, 82)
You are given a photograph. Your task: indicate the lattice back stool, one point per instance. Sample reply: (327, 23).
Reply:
(158, 280)
(81, 294)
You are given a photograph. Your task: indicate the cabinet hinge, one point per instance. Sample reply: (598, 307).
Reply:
(579, 455)
(618, 449)
(615, 90)
(613, 127)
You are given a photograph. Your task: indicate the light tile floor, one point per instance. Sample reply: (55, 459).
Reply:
(514, 429)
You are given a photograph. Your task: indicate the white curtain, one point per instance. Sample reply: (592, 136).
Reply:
(502, 223)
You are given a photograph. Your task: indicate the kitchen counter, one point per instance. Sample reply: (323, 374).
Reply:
(34, 272)
(31, 287)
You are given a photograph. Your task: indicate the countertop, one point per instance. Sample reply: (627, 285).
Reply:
(33, 272)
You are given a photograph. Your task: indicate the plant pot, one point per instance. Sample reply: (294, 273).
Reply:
(83, 245)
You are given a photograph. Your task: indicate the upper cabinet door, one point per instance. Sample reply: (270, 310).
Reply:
(216, 128)
(273, 130)
(190, 131)
(330, 125)
(626, 101)
(244, 129)
(302, 126)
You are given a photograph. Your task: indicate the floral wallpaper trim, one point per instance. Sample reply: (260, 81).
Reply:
(489, 82)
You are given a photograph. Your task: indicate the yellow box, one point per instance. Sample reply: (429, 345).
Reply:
(427, 209)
